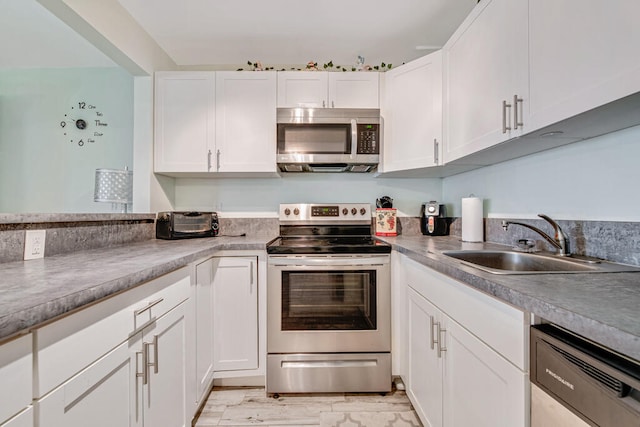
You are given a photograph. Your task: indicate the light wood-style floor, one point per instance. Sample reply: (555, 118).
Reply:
(252, 407)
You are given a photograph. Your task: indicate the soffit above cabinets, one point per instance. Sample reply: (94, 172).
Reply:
(276, 32)
(32, 37)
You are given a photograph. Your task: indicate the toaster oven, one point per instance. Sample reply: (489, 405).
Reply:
(185, 225)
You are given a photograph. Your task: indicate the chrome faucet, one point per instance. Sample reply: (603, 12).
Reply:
(560, 240)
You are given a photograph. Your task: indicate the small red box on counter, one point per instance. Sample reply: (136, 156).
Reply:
(386, 224)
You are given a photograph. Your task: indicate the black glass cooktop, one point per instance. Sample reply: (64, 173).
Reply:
(327, 245)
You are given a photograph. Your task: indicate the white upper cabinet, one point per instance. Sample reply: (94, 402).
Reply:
(412, 114)
(302, 89)
(354, 90)
(215, 122)
(322, 89)
(485, 80)
(184, 121)
(582, 54)
(245, 122)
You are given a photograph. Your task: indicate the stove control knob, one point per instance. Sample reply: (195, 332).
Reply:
(296, 211)
(363, 211)
(354, 211)
(287, 211)
(345, 211)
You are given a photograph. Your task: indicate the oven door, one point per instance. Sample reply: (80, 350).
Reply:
(328, 304)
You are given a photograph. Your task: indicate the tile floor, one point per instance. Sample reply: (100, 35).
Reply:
(252, 407)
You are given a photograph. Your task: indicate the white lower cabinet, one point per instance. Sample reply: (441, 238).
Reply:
(82, 400)
(121, 362)
(425, 367)
(16, 367)
(235, 313)
(461, 371)
(164, 349)
(23, 419)
(481, 388)
(204, 328)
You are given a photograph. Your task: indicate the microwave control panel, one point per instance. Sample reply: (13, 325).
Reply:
(368, 139)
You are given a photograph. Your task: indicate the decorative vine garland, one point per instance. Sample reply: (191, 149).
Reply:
(313, 66)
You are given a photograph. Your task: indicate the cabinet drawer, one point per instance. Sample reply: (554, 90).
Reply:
(499, 325)
(24, 419)
(68, 345)
(15, 376)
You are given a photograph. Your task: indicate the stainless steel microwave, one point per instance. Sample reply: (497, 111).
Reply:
(328, 139)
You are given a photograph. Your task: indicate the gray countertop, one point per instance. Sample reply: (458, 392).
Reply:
(32, 292)
(604, 307)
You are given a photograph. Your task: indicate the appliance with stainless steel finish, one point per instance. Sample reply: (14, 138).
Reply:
(328, 139)
(328, 298)
(599, 386)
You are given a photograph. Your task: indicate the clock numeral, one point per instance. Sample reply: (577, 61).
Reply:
(81, 143)
(82, 105)
(63, 124)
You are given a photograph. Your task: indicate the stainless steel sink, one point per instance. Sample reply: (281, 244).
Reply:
(511, 262)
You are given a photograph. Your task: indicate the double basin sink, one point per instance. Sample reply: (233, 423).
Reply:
(512, 262)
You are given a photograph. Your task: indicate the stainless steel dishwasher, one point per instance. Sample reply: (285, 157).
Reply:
(599, 386)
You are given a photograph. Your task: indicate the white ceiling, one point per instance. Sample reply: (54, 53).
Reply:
(228, 33)
(293, 32)
(32, 37)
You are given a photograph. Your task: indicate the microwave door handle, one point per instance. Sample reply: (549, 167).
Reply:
(354, 139)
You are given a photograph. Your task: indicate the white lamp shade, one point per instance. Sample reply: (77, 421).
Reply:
(114, 186)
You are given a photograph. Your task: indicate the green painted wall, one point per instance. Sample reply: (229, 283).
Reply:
(41, 169)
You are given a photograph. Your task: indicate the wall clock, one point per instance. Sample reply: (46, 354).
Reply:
(84, 124)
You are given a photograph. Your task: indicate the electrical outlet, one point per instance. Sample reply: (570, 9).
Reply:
(34, 244)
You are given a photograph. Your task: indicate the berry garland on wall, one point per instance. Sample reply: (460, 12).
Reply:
(329, 66)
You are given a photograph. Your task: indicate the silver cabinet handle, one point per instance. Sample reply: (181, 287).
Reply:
(431, 334)
(516, 101)
(333, 104)
(251, 277)
(441, 348)
(209, 161)
(354, 138)
(505, 106)
(324, 104)
(218, 154)
(144, 372)
(154, 343)
(151, 304)
(435, 151)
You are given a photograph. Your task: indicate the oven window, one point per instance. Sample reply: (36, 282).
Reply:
(314, 139)
(329, 300)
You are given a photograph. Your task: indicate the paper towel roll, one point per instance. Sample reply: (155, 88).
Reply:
(472, 220)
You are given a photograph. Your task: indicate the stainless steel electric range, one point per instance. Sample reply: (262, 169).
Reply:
(328, 296)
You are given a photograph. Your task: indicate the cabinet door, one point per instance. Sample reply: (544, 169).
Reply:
(16, 368)
(245, 121)
(485, 66)
(566, 77)
(354, 90)
(164, 399)
(412, 112)
(204, 327)
(481, 388)
(102, 395)
(24, 419)
(425, 366)
(184, 121)
(235, 324)
(302, 89)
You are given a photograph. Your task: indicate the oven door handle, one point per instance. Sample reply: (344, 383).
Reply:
(329, 262)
